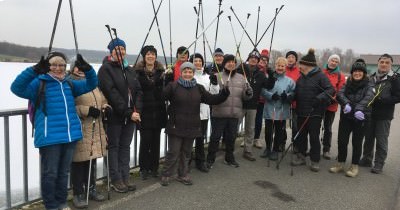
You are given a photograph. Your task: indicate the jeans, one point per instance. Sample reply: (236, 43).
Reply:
(327, 138)
(55, 162)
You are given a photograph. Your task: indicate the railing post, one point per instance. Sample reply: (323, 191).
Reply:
(7, 160)
(25, 156)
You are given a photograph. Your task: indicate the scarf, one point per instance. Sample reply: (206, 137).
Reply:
(187, 83)
(353, 86)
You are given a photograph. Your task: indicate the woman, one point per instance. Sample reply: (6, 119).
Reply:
(277, 109)
(184, 124)
(354, 98)
(150, 75)
(56, 123)
(89, 107)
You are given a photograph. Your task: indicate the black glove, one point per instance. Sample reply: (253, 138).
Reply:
(82, 64)
(225, 91)
(42, 67)
(275, 96)
(94, 112)
(213, 79)
(284, 96)
(249, 91)
(316, 102)
(270, 81)
(107, 112)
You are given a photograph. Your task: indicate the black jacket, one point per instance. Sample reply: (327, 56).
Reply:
(212, 68)
(115, 84)
(314, 85)
(388, 94)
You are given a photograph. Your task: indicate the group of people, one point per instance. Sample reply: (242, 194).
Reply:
(79, 116)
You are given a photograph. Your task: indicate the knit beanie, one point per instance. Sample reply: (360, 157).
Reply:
(309, 58)
(181, 49)
(359, 64)
(228, 57)
(264, 54)
(254, 54)
(114, 43)
(334, 56)
(187, 65)
(218, 51)
(196, 55)
(55, 54)
(292, 53)
(148, 48)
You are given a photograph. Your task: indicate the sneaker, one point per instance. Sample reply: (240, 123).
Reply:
(249, 156)
(376, 170)
(64, 207)
(164, 181)
(326, 155)
(273, 155)
(119, 186)
(338, 167)
(203, 168)
(184, 180)
(265, 154)
(299, 160)
(242, 144)
(353, 171)
(96, 196)
(130, 185)
(232, 163)
(365, 162)
(257, 143)
(79, 202)
(314, 166)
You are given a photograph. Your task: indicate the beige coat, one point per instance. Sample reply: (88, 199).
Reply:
(83, 148)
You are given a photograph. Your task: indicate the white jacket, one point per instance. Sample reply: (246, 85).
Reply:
(203, 79)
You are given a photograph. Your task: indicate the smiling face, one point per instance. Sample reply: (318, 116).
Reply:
(230, 65)
(218, 59)
(150, 57)
(187, 74)
(291, 59)
(57, 67)
(198, 63)
(333, 63)
(183, 56)
(280, 65)
(357, 75)
(116, 51)
(253, 61)
(384, 65)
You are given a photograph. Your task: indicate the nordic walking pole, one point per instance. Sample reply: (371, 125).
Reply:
(147, 35)
(204, 43)
(105, 123)
(54, 26)
(258, 42)
(159, 32)
(216, 31)
(258, 21)
(247, 34)
(90, 161)
(197, 24)
(170, 33)
(273, 30)
(73, 26)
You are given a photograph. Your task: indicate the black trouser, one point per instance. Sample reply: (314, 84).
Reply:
(220, 126)
(200, 155)
(311, 129)
(259, 118)
(329, 117)
(272, 127)
(178, 154)
(79, 176)
(149, 151)
(346, 126)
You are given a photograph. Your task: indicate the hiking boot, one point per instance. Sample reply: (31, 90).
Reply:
(265, 154)
(130, 185)
(209, 165)
(353, 171)
(155, 174)
(79, 201)
(365, 162)
(282, 148)
(376, 170)
(273, 155)
(184, 180)
(257, 143)
(249, 156)
(314, 166)
(119, 186)
(96, 196)
(299, 160)
(326, 155)
(144, 174)
(232, 163)
(242, 144)
(338, 167)
(164, 181)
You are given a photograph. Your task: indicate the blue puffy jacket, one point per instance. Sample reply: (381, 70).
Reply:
(61, 124)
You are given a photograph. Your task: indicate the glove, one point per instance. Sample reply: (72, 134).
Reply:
(275, 96)
(94, 112)
(316, 102)
(82, 64)
(107, 112)
(213, 79)
(249, 91)
(347, 109)
(42, 67)
(284, 96)
(359, 115)
(225, 91)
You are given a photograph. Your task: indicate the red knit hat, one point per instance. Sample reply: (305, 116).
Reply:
(265, 54)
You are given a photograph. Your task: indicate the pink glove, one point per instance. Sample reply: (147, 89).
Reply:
(359, 115)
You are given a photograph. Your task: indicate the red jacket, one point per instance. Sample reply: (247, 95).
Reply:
(333, 77)
(294, 74)
(177, 71)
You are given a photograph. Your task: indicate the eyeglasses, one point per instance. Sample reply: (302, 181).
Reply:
(54, 66)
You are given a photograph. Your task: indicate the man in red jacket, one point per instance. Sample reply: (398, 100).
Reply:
(337, 79)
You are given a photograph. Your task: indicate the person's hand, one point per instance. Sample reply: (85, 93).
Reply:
(93, 112)
(213, 79)
(249, 91)
(107, 111)
(135, 117)
(275, 96)
(284, 96)
(359, 115)
(82, 64)
(316, 102)
(42, 67)
(347, 109)
(225, 91)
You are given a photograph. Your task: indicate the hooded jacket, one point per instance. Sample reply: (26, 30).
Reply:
(337, 80)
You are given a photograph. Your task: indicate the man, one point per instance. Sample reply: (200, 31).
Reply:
(226, 115)
(313, 93)
(337, 79)
(387, 94)
(182, 55)
(216, 65)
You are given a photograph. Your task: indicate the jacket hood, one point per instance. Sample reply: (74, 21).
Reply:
(141, 65)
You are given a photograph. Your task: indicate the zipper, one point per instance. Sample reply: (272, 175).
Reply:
(66, 111)
(45, 126)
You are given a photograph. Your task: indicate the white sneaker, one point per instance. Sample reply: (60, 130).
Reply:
(257, 143)
(242, 144)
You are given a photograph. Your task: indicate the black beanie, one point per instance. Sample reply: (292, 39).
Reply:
(292, 53)
(254, 54)
(181, 49)
(359, 64)
(309, 59)
(196, 55)
(228, 57)
(218, 51)
(148, 48)
(55, 54)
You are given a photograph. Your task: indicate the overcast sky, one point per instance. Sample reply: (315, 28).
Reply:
(366, 26)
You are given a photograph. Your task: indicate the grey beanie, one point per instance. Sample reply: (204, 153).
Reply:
(187, 65)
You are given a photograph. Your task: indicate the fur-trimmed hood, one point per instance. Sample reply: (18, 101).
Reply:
(140, 66)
